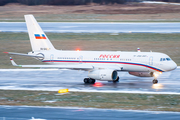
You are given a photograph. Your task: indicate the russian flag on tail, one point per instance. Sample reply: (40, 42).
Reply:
(40, 36)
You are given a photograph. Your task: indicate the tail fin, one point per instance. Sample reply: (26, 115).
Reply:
(39, 40)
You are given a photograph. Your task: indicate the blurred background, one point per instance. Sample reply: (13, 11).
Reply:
(90, 11)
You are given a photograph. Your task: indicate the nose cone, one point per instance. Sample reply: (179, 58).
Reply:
(173, 66)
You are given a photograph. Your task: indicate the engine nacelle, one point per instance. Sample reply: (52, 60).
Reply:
(105, 74)
(41, 55)
(142, 74)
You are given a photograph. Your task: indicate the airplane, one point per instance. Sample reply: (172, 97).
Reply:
(101, 65)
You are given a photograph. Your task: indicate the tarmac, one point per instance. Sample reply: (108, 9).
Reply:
(54, 79)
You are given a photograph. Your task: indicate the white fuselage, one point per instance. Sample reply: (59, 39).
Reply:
(127, 61)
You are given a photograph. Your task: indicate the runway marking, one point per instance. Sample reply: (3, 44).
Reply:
(95, 91)
(83, 108)
(133, 92)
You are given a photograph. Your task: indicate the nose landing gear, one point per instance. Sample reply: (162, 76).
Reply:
(155, 81)
(155, 75)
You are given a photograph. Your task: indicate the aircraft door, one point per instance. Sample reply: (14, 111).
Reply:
(151, 60)
(51, 58)
(81, 59)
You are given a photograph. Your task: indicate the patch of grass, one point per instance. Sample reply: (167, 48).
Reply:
(19, 42)
(97, 36)
(8, 36)
(118, 21)
(74, 17)
(94, 100)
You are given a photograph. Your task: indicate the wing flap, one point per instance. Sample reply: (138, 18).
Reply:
(113, 66)
(82, 66)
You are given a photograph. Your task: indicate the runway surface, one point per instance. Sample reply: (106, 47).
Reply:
(53, 80)
(76, 27)
(50, 113)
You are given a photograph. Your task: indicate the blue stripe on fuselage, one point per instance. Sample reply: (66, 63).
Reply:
(128, 63)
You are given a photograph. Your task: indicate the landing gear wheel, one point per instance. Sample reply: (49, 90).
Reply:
(86, 80)
(92, 81)
(89, 81)
(117, 80)
(155, 81)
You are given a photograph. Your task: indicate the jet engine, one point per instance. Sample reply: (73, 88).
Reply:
(104, 74)
(142, 74)
(41, 56)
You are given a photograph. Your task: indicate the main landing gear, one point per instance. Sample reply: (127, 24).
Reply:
(155, 81)
(89, 81)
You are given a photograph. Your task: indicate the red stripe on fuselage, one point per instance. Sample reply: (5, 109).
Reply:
(107, 62)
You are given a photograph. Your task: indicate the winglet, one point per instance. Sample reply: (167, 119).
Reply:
(138, 50)
(13, 63)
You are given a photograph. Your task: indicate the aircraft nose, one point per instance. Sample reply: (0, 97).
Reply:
(173, 65)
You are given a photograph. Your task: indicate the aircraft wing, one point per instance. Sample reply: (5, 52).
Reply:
(73, 67)
(21, 54)
(85, 67)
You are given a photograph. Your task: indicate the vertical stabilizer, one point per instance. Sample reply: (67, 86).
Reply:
(39, 40)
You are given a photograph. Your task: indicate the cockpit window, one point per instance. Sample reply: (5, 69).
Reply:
(168, 59)
(165, 59)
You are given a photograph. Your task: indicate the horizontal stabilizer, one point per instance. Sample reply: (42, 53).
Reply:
(21, 54)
